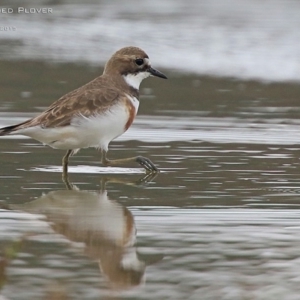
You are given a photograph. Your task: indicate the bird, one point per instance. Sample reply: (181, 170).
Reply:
(96, 113)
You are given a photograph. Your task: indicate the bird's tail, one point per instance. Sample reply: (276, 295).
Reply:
(7, 130)
(11, 129)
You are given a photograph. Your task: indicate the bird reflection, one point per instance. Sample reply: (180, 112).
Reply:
(105, 227)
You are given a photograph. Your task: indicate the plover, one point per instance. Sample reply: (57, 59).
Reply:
(96, 113)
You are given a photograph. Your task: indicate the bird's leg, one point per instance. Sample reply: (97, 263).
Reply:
(65, 162)
(145, 162)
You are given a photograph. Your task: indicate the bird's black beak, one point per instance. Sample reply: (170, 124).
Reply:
(156, 73)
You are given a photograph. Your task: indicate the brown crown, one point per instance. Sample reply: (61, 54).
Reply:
(123, 61)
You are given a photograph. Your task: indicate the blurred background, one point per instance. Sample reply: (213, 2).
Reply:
(221, 220)
(244, 39)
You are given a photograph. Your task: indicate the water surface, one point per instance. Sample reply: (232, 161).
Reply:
(221, 220)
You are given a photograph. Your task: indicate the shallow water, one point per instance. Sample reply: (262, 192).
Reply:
(221, 220)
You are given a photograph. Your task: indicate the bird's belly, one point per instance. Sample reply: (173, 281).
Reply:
(98, 131)
(83, 132)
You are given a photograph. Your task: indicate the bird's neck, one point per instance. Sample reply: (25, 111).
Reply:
(120, 82)
(129, 84)
(134, 80)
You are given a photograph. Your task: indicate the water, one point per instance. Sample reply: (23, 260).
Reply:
(248, 39)
(220, 221)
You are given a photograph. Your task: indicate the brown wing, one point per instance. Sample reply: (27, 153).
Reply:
(78, 102)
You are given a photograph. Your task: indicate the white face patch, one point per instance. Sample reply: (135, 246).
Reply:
(135, 80)
(147, 62)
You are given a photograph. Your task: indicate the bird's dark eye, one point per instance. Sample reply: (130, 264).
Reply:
(139, 61)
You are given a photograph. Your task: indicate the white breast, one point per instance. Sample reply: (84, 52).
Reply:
(99, 130)
(94, 131)
(134, 101)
